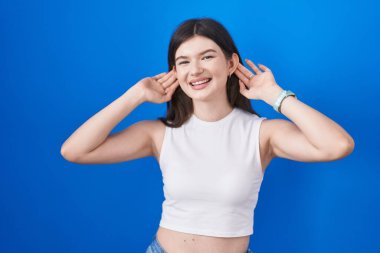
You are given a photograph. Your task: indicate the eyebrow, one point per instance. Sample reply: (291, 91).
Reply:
(208, 50)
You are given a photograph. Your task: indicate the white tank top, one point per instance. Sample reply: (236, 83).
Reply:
(212, 175)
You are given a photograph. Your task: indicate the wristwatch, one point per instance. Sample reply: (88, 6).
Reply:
(284, 94)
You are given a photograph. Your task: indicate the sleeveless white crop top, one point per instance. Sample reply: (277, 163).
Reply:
(212, 175)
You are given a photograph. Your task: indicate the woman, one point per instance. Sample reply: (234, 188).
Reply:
(212, 147)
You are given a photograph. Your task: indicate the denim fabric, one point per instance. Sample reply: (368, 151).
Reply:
(155, 247)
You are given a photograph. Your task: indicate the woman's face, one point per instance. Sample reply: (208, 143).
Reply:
(200, 58)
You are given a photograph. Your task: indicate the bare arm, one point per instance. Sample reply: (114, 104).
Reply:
(312, 137)
(309, 136)
(96, 129)
(92, 143)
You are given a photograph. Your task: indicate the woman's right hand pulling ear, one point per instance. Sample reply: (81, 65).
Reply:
(160, 88)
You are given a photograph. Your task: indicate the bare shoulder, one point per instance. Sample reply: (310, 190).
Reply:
(268, 129)
(273, 126)
(266, 151)
(271, 129)
(286, 140)
(157, 132)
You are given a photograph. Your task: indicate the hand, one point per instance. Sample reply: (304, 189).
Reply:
(260, 85)
(160, 88)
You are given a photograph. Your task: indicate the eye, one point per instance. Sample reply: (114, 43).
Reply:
(208, 56)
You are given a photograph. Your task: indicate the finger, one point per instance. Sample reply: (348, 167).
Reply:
(159, 89)
(264, 67)
(156, 87)
(168, 82)
(245, 71)
(172, 88)
(242, 77)
(165, 77)
(156, 77)
(253, 66)
(243, 89)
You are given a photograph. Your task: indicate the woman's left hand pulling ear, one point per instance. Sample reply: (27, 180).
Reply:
(259, 85)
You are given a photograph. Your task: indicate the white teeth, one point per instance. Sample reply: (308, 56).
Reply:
(200, 82)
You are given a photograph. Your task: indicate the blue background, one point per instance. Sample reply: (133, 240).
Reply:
(61, 62)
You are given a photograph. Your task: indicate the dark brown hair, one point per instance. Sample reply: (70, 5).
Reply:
(180, 107)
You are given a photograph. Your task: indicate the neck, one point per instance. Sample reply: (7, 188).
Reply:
(211, 111)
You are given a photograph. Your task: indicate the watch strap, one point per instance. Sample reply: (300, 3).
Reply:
(284, 94)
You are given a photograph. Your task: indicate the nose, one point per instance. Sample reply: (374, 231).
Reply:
(196, 69)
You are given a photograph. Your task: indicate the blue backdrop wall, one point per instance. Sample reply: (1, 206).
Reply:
(61, 62)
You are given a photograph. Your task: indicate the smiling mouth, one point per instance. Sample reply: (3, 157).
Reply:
(201, 82)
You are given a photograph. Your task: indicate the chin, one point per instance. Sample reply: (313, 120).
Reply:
(208, 95)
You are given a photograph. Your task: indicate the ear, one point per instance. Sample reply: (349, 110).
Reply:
(233, 63)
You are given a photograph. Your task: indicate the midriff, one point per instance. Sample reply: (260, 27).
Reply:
(178, 242)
